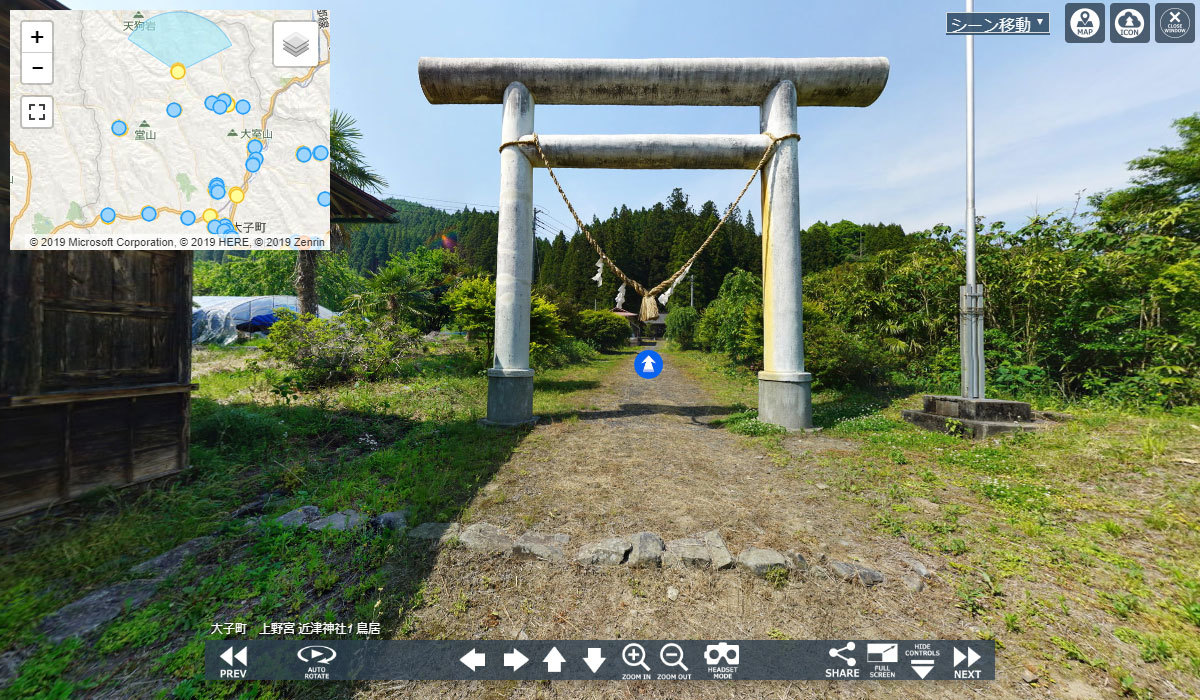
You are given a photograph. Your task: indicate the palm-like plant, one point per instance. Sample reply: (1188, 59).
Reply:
(345, 158)
(348, 161)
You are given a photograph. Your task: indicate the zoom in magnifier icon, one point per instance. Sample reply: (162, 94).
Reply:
(672, 655)
(634, 655)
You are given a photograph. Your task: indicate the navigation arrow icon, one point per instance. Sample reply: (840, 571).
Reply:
(648, 364)
(228, 656)
(971, 656)
(594, 658)
(474, 659)
(554, 660)
(515, 659)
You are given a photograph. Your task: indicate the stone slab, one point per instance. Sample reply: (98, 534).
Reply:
(484, 537)
(538, 545)
(438, 533)
(856, 572)
(341, 520)
(721, 558)
(646, 550)
(300, 516)
(687, 552)
(605, 552)
(759, 561)
(85, 615)
(170, 562)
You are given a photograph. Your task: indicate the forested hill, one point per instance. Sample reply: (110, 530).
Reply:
(648, 244)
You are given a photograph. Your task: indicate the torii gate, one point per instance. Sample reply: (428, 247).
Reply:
(776, 85)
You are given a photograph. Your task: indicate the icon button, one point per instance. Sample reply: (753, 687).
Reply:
(1129, 22)
(37, 68)
(835, 651)
(672, 655)
(37, 112)
(515, 659)
(594, 658)
(922, 666)
(1085, 22)
(883, 653)
(229, 656)
(970, 657)
(634, 655)
(728, 654)
(37, 36)
(1174, 23)
(295, 44)
(474, 659)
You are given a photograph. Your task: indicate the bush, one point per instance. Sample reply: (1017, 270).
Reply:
(602, 330)
(560, 354)
(681, 327)
(729, 319)
(347, 347)
(837, 356)
(473, 303)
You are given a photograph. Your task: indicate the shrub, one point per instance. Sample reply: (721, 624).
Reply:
(681, 327)
(473, 303)
(347, 347)
(602, 329)
(560, 354)
(727, 320)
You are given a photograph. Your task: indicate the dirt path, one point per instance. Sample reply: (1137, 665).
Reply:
(644, 457)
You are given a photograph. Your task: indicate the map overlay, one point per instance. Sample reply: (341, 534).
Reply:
(169, 130)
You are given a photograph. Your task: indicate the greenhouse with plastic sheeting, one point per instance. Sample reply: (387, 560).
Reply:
(222, 319)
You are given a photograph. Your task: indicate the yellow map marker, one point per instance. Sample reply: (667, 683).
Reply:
(178, 71)
(236, 195)
(209, 214)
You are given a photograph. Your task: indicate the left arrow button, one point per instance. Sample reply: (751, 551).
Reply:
(474, 659)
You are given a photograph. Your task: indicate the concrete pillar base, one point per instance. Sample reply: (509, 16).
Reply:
(785, 399)
(510, 398)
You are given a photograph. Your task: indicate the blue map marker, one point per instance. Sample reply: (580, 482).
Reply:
(648, 364)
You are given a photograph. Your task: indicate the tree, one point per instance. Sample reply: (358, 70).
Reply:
(346, 160)
(1164, 199)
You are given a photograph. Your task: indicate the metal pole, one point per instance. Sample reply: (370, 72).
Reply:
(692, 294)
(971, 295)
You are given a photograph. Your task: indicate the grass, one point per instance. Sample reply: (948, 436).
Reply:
(1077, 545)
(373, 447)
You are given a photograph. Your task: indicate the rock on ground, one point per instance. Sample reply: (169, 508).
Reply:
(341, 520)
(169, 562)
(484, 537)
(300, 516)
(605, 552)
(917, 566)
(721, 558)
(850, 572)
(395, 520)
(441, 533)
(913, 583)
(796, 560)
(537, 545)
(760, 561)
(687, 552)
(93, 610)
(646, 549)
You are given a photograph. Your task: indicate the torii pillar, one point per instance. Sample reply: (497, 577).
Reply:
(776, 85)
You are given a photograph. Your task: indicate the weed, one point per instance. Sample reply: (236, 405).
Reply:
(776, 576)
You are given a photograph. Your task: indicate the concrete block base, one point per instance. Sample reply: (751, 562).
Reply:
(977, 409)
(975, 418)
(785, 399)
(510, 398)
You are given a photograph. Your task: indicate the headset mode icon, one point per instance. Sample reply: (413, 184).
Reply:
(722, 652)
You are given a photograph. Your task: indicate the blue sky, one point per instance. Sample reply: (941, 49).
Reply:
(1052, 118)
